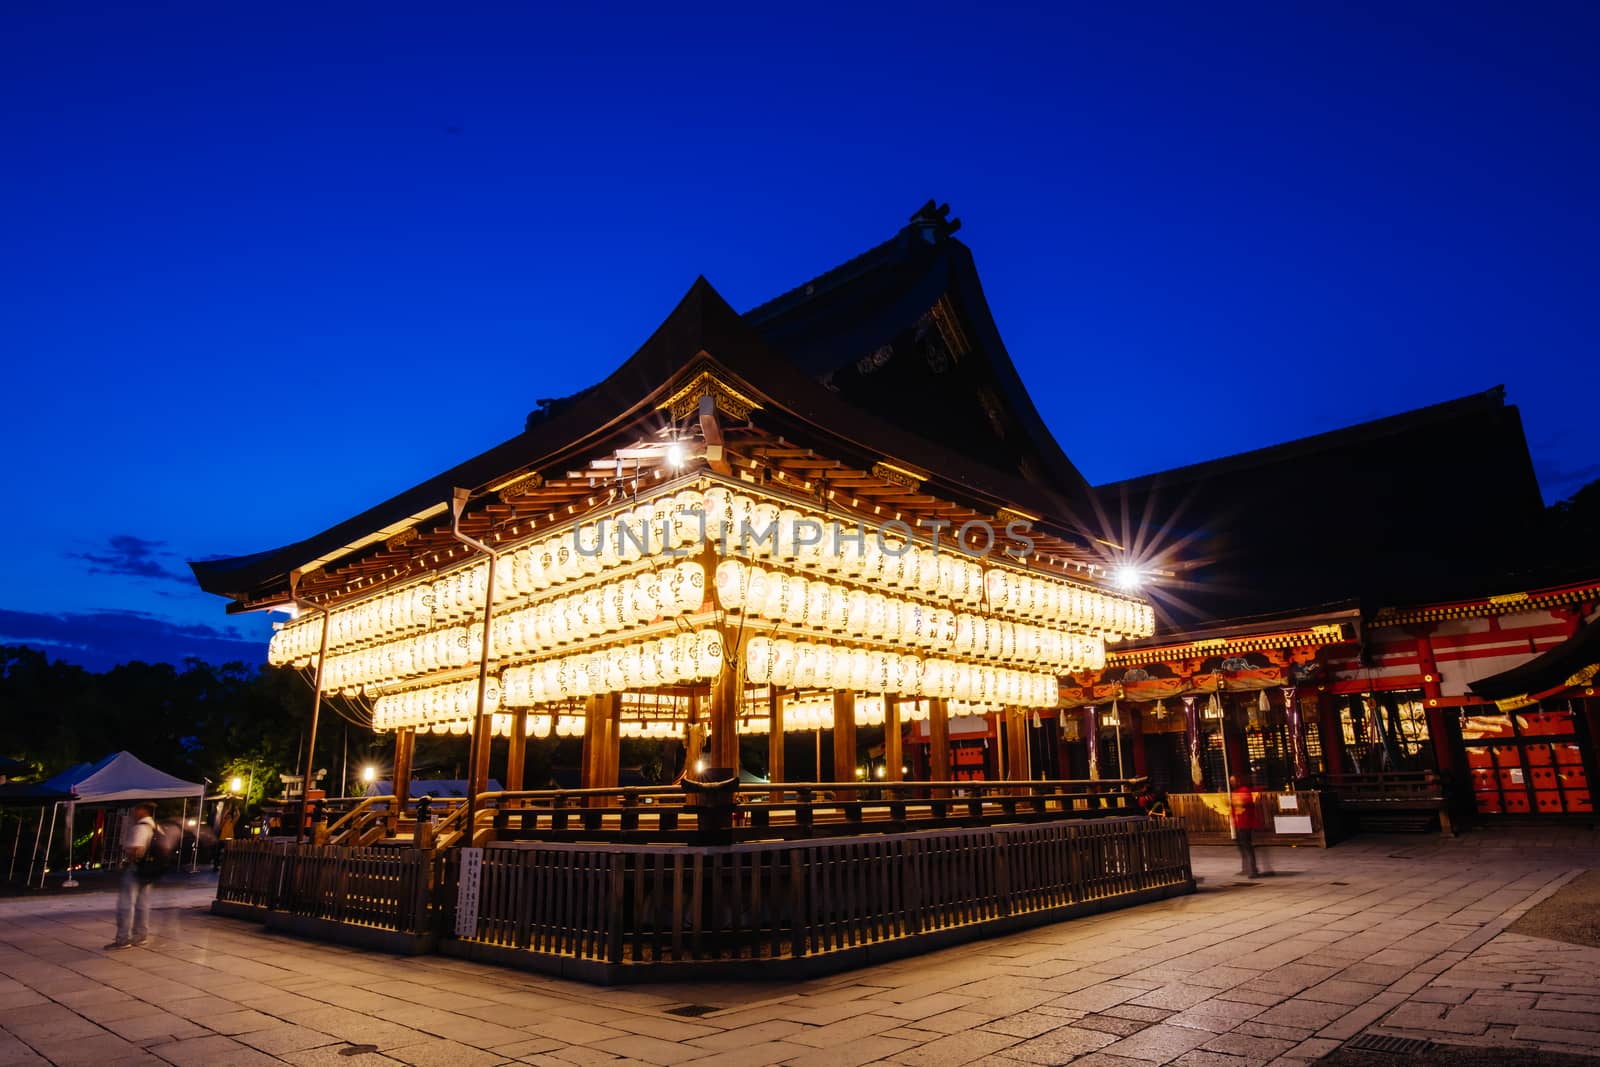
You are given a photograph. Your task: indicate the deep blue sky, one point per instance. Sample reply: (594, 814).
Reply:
(264, 265)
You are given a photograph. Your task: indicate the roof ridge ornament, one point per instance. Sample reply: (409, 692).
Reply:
(686, 401)
(932, 222)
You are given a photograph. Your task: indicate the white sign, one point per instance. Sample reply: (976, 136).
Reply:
(1288, 802)
(1292, 824)
(470, 881)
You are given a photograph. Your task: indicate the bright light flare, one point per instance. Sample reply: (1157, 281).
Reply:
(369, 774)
(1129, 578)
(235, 785)
(675, 455)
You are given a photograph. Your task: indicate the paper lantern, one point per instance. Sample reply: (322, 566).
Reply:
(758, 660)
(860, 669)
(783, 663)
(731, 578)
(718, 506)
(709, 654)
(805, 665)
(817, 600)
(794, 600)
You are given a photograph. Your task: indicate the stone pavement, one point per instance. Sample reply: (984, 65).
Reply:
(1400, 936)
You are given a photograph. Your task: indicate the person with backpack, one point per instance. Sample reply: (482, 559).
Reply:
(142, 862)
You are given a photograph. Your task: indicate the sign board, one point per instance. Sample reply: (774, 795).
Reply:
(467, 888)
(1292, 824)
(1288, 802)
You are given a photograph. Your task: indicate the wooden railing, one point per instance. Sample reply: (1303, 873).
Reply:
(1207, 817)
(623, 905)
(363, 824)
(797, 810)
(385, 888)
(1394, 800)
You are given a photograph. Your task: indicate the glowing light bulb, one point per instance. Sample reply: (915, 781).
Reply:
(675, 455)
(1129, 578)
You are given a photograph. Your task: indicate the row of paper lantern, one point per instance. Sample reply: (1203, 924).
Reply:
(822, 605)
(432, 704)
(811, 665)
(673, 522)
(685, 657)
(540, 726)
(607, 608)
(542, 628)
(739, 523)
(404, 658)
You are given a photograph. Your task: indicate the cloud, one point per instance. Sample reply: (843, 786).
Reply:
(102, 639)
(133, 557)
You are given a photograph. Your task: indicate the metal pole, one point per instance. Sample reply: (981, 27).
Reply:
(16, 846)
(481, 734)
(316, 711)
(33, 853)
(1116, 724)
(200, 814)
(72, 819)
(45, 866)
(1227, 779)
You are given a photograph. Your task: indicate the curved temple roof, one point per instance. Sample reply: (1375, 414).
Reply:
(911, 309)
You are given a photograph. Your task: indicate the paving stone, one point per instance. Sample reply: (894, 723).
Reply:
(216, 1049)
(867, 1050)
(437, 1052)
(1058, 1046)
(955, 1049)
(285, 1037)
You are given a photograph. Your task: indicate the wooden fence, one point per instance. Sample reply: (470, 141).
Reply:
(663, 814)
(381, 888)
(654, 910)
(1297, 820)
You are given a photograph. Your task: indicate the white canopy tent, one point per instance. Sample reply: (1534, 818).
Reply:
(119, 778)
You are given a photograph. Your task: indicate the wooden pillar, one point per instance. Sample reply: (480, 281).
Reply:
(1238, 752)
(1330, 727)
(938, 740)
(405, 741)
(694, 736)
(726, 694)
(994, 757)
(1017, 768)
(516, 753)
(775, 709)
(602, 744)
(480, 754)
(1141, 758)
(1091, 739)
(893, 756)
(844, 737)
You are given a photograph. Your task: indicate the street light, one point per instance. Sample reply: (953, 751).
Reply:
(235, 784)
(369, 774)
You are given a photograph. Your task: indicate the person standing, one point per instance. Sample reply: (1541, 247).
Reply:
(1246, 820)
(133, 897)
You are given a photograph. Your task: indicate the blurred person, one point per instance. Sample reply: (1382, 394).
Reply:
(1246, 821)
(139, 844)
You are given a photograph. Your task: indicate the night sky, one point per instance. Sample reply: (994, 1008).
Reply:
(265, 265)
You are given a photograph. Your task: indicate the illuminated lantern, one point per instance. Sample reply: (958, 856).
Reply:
(764, 530)
(758, 660)
(459, 727)
(860, 669)
(893, 625)
(907, 674)
(718, 505)
(440, 728)
(709, 656)
(856, 613)
(539, 725)
(783, 663)
(846, 545)
(966, 633)
(732, 577)
(788, 523)
(688, 518)
(691, 586)
(817, 599)
(688, 655)
(876, 614)
(837, 616)
(805, 665)
(794, 600)
(758, 587)
(871, 566)
(881, 676)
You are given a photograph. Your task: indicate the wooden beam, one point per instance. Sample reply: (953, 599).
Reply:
(711, 428)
